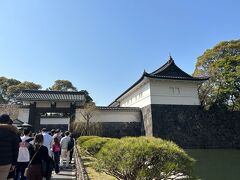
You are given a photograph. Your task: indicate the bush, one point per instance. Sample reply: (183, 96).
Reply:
(93, 145)
(82, 139)
(143, 158)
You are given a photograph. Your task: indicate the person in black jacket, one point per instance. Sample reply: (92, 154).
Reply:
(9, 146)
(38, 155)
(71, 147)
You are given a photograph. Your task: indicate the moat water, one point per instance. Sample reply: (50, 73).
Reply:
(217, 164)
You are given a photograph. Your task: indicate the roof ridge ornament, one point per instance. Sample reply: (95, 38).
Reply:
(170, 59)
(145, 72)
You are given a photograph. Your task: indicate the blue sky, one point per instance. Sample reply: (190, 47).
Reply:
(104, 46)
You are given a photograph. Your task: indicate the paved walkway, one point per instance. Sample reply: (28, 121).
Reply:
(65, 174)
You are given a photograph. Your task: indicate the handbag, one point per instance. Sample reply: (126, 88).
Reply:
(26, 172)
(27, 168)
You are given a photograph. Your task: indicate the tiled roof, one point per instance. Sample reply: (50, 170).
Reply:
(168, 71)
(171, 71)
(118, 108)
(38, 95)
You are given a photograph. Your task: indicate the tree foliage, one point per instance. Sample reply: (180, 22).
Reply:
(63, 85)
(82, 139)
(222, 65)
(87, 96)
(92, 146)
(139, 158)
(10, 87)
(12, 91)
(66, 85)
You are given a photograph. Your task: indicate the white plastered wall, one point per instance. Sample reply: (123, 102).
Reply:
(137, 97)
(174, 92)
(23, 114)
(63, 104)
(54, 120)
(43, 104)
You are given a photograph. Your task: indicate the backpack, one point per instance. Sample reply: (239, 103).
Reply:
(70, 144)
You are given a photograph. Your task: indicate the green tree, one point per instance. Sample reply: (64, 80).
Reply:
(65, 85)
(5, 83)
(87, 96)
(222, 65)
(62, 85)
(9, 88)
(14, 90)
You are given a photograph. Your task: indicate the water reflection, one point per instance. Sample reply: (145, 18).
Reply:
(216, 164)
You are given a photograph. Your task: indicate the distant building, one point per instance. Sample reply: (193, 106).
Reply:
(52, 109)
(135, 112)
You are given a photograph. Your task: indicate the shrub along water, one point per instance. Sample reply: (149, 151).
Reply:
(92, 146)
(139, 157)
(82, 139)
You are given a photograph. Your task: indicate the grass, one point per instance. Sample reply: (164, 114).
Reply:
(88, 163)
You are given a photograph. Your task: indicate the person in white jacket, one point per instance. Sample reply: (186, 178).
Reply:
(23, 154)
(47, 141)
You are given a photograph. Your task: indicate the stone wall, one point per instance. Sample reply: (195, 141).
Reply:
(109, 129)
(118, 129)
(193, 127)
(147, 121)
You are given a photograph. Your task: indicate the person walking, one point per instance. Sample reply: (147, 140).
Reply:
(71, 144)
(57, 134)
(38, 154)
(9, 146)
(47, 140)
(56, 149)
(65, 154)
(23, 155)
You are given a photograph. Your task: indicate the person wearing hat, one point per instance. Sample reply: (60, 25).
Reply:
(9, 146)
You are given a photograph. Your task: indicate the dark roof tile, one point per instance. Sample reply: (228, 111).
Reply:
(39, 95)
(126, 109)
(171, 71)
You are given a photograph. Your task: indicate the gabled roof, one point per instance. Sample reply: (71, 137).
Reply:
(39, 95)
(171, 71)
(168, 71)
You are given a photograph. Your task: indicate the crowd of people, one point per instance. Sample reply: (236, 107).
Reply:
(32, 156)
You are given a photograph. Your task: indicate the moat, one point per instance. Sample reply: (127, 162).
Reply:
(216, 164)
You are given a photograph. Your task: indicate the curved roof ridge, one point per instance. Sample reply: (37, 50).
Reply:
(164, 66)
(170, 69)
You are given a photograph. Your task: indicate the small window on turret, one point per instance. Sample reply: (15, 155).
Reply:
(177, 91)
(171, 90)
